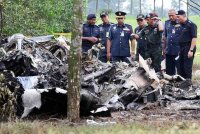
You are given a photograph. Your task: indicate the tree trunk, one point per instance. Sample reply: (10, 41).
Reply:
(140, 6)
(188, 8)
(118, 5)
(162, 8)
(108, 4)
(97, 3)
(131, 10)
(74, 85)
(1, 17)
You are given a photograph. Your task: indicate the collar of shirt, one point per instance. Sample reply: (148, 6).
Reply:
(87, 24)
(123, 25)
(140, 28)
(107, 24)
(174, 22)
(185, 22)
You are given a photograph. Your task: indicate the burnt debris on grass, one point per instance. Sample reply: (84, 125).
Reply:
(33, 78)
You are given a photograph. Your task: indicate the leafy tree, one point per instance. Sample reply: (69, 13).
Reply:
(175, 4)
(36, 17)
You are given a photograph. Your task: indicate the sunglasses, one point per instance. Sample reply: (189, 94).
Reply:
(140, 20)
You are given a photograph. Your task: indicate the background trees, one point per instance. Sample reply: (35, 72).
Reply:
(36, 17)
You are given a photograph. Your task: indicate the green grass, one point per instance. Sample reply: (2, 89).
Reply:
(137, 128)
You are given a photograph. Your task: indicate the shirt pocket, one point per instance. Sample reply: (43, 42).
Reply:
(96, 32)
(86, 32)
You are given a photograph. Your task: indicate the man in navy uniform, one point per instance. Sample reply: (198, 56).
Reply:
(171, 43)
(141, 42)
(187, 41)
(118, 46)
(153, 34)
(104, 28)
(91, 33)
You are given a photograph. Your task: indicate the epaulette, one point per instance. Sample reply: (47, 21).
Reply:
(127, 25)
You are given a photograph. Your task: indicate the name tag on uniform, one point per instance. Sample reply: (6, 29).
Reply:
(177, 25)
(107, 34)
(122, 34)
(173, 31)
(126, 29)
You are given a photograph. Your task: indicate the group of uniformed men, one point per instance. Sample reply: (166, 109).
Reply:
(178, 34)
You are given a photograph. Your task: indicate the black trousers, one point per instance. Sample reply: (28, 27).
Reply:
(103, 59)
(156, 56)
(185, 62)
(172, 65)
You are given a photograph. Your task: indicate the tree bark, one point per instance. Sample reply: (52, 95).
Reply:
(118, 5)
(131, 9)
(108, 4)
(140, 6)
(74, 85)
(188, 8)
(1, 17)
(97, 3)
(162, 8)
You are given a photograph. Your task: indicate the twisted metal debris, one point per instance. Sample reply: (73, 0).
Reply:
(38, 83)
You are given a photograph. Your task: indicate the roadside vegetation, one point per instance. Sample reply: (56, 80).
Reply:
(186, 127)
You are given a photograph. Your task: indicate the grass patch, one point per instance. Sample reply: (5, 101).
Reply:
(137, 128)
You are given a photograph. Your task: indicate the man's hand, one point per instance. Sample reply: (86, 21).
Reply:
(160, 26)
(164, 52)
(135, 36)
(108, 56)
(132, 55)
(190, 54)
(93, 39)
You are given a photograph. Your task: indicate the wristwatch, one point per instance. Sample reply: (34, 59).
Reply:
(191, 50)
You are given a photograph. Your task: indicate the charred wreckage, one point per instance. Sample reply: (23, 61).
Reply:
(33, 80)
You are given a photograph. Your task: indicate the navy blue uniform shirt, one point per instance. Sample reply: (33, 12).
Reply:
(104, 28)
(120, 37)
(89, 31)
(172, 33)
(189, 31)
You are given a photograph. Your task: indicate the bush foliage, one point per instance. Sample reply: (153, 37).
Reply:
(36, 17)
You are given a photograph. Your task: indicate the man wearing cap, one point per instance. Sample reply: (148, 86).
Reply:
(147, 17)
(91, 33)
(118, 46)
(141, 42)
(153, 34)
(187, 41)
(104, 28)
(171, 43)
